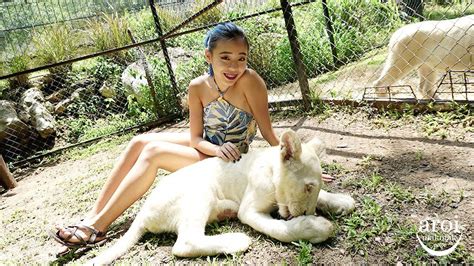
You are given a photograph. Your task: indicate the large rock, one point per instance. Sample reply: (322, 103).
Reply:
(34, 111)
(28, 98)
(17, 139)
(10, 124)
(134, 80)
(178, 56)
(42, 119)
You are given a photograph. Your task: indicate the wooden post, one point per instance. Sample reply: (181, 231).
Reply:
(6, 179)
(296, 51)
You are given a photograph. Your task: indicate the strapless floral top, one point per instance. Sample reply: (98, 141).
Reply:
(223, 122)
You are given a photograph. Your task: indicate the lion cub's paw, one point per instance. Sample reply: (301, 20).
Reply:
(345, 205)
(238, 243)
(315, 229)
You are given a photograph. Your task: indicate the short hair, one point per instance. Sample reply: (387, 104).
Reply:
(223, 31)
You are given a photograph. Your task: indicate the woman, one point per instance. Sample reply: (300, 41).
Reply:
(225, 106)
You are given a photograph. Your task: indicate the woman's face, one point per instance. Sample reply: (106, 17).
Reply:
(229, 61)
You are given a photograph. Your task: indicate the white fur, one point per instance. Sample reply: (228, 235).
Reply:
(286, 177)
(431, 47)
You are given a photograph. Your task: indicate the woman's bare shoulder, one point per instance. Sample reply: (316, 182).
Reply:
(199, 82)
(252, 79)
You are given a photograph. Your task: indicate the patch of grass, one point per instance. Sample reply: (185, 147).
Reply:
(109, 31)
(371, 183)
(363, 225)
(403, 232)
(323, 78)
(220, 227)
(367, 161)
(333, 168)
(399, 193)
(17, 215)
(78, 153)
(437, 200)
(304, 254)
(454, 9)
(319, 107)
(82, 128)
(440, 123)
(102, 145)
(212, 16)
(18, 63)
(3, 87)
(459, 255)
(55, 44)
(418, 155)
(393, 118)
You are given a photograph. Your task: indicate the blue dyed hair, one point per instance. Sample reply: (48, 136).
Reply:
(223, 31)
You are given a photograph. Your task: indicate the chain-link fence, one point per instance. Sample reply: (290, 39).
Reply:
(91, 74)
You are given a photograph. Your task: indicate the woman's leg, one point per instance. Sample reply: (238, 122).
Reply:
(123, 189)
(156, 155)
(126, 161)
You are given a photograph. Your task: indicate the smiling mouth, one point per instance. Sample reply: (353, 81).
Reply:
(230, 76)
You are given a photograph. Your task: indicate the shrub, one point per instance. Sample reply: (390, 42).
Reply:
(17, 64)
(106, 69)
(189, 70)
(270, 53)
(168, 20)
(3, 89)
(141, 24)
(108, 32)
(55, 44)
(211, 16)
(166, 98)
(193, 41)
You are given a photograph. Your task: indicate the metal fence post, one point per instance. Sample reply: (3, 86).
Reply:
(330, 32)
(165, 51)
(296, 51)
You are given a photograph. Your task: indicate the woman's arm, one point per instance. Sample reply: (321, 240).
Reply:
(257, 98)
(196, 122)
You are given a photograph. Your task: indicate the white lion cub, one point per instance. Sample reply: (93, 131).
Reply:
(430, 47)
(287, 178)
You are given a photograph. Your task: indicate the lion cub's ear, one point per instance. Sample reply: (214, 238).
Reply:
(318, 146)
(290, 145)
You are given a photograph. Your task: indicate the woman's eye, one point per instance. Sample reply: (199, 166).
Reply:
(225, 58)
(242, 59)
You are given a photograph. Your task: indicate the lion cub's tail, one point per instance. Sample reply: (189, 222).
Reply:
(128, 240)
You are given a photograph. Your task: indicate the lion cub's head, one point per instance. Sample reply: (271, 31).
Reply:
(300, 176)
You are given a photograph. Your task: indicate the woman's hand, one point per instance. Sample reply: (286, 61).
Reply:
(327, 178)
(228, 152)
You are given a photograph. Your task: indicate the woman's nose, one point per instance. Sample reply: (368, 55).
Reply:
(233, 65)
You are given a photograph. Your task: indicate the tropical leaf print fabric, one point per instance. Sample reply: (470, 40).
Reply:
(224, 122)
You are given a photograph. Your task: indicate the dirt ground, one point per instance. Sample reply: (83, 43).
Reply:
(399, 171)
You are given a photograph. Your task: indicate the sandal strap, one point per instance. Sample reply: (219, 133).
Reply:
(94, 233)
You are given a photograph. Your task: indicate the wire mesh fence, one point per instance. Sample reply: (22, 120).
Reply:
(304, 50)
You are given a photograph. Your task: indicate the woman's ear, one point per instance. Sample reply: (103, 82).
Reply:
(208, 55)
